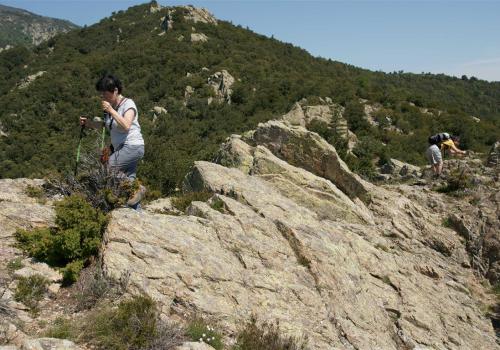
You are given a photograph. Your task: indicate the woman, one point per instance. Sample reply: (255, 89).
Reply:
(121, 119)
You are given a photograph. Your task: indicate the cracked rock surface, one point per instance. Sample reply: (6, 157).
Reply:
(377, 269)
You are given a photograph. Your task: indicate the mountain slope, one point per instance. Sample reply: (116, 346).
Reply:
(20, 27)
(163, 66)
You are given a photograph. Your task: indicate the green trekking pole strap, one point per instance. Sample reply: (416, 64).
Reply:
(78, 149)
(103, 136)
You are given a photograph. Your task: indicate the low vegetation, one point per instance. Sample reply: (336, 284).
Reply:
(457, 183)
(35, 192)
(76, 237)
(136, 324)
(31, 290)
(266, 336)
(182, 201)
(15, 264)
(133, 324)
(200, 330)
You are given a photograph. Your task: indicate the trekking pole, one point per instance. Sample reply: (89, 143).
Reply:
(103, 136)
(78, 149)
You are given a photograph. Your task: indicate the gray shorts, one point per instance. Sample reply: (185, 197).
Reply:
(125, 159)
(434, 155)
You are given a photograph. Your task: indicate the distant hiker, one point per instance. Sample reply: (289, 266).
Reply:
(441, 142)
(121, 119)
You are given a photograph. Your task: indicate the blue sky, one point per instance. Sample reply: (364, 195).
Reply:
(451, 37)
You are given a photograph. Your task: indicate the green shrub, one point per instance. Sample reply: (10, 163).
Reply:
(30, 290)
(132, 325)
(199, 330)
(76, 238)
(266, 336)
(447, 222)
(217, 204)
(71, 271)
(182, 201)
(34, 192)
(456, 182)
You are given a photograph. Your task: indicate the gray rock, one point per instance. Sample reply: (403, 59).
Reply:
(399, 168)
(199, 15)
(198, 38)
(221, 83)
(36, 268)
(301, 147)
(268, 252)
(48, 344)
(29, 79)
(194, 346)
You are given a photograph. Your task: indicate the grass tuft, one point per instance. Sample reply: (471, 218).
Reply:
(266, 336)
(30, 290)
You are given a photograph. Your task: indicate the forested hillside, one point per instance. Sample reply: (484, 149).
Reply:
(20, 27)
(39, 116)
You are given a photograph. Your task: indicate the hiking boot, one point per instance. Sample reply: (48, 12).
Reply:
(137, 196)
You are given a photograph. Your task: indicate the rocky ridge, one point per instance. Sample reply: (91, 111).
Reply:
(291, 234)
(23, 27)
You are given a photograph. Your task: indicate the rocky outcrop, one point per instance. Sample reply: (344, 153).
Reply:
(29, 79)
(155, 7)
(329, 113)
(196, 15)
(159, 110)
(280, 238)
(309, 151)
(398, 169)
(372, 109)
(2, 132)
(19, 211)
(343, 284)
(221, 83)
(198, 38)
(494, 155)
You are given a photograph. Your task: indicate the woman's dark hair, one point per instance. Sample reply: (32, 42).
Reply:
(455, 138)
(109, 83)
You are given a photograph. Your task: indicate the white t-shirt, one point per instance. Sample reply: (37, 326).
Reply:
(119, 136)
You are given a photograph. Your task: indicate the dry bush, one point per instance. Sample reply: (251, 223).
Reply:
(267, 336)
(30, 290)
(102, 187)
(91, 287)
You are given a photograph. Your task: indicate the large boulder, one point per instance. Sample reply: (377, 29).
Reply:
(198, 37)
(305, 149)
(256, 248)
(398, 168)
